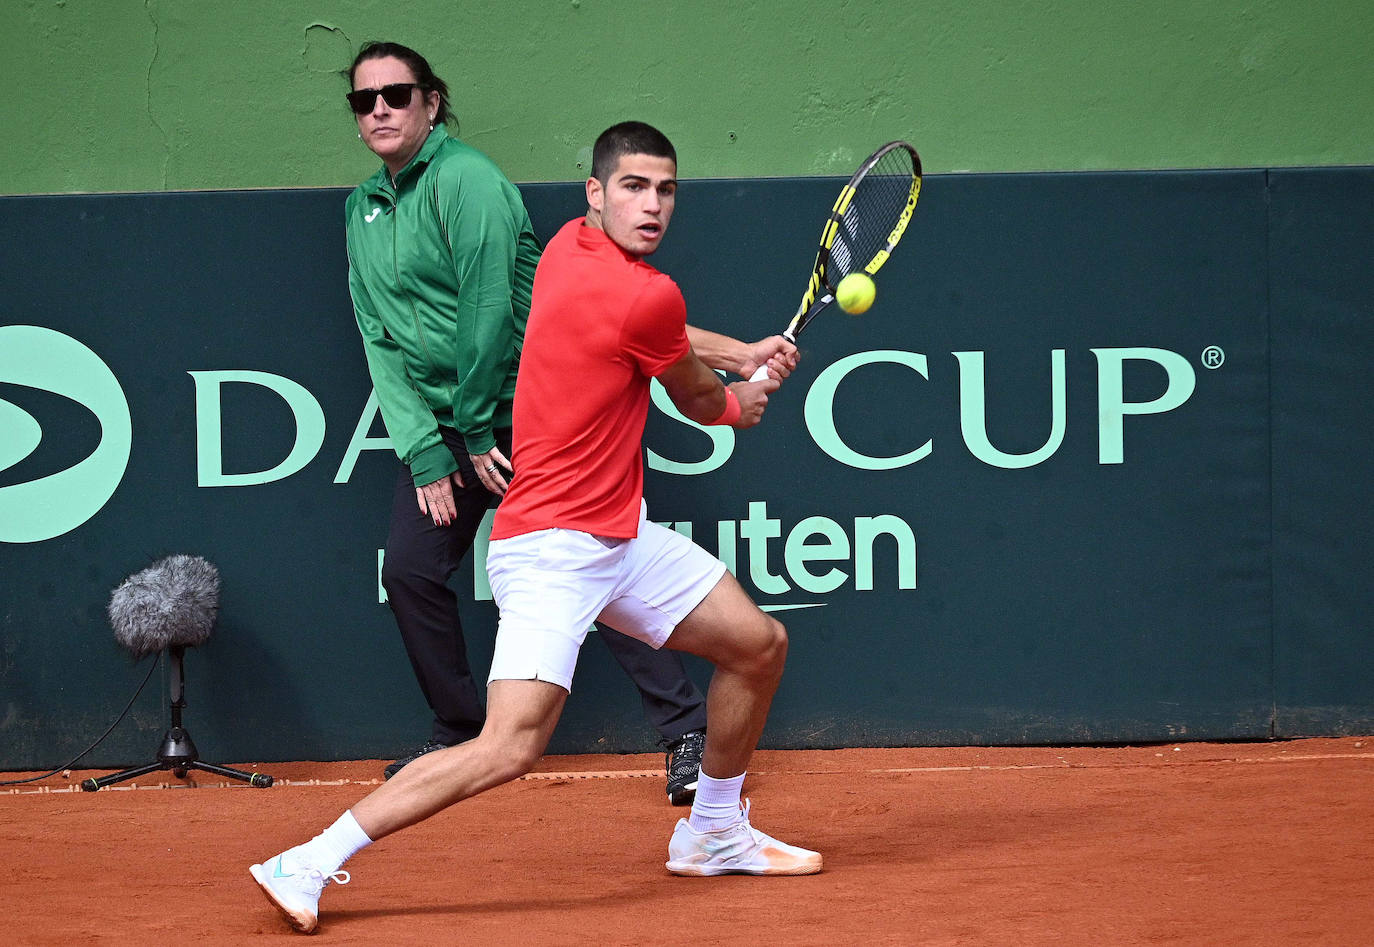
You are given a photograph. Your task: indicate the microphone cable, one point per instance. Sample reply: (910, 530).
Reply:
(99, 740)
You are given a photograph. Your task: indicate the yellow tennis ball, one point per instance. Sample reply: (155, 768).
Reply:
(855, 293)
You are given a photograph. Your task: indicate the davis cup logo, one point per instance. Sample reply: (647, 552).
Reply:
(35, 357)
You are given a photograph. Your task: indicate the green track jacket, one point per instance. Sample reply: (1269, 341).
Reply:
(440, 266)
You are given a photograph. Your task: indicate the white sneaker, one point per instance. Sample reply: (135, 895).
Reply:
(294, 889)
(738, 849)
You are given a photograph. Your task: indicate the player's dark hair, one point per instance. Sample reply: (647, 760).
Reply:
(628, 138)
(418, 66)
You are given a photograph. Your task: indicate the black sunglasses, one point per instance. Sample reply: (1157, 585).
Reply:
(397, 96)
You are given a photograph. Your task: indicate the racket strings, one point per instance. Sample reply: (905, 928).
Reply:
(863, 228)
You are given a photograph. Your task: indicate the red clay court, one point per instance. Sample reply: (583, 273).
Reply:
(1254, 844)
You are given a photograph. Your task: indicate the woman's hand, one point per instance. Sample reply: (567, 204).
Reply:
(436, 499)
(493, 469)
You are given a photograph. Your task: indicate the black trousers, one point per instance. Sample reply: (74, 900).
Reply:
(420, 559)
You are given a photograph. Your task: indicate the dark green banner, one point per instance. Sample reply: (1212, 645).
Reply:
(1322, 308)
(1076, 477)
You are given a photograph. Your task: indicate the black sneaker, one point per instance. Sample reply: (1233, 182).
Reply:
(684, 766)
(394, 768)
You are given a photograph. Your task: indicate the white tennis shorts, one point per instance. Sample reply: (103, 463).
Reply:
(551, 584)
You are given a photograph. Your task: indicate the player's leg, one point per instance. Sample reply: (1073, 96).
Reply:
(520, 720)
(748, 648)
(521, 716)
(541, 582)
(671, 591)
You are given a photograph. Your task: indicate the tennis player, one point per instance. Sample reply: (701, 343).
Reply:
(441, 260)
(571, 541)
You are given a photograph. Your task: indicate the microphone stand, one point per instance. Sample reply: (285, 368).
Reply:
(178, 750)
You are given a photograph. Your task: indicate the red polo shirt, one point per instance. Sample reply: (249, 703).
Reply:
(602, 323)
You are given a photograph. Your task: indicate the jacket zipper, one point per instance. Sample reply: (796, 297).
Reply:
(435, 371)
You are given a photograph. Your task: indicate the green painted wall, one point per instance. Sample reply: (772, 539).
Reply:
(119, 95)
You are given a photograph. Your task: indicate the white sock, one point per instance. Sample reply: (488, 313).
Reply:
(336, 844)
(716, 805)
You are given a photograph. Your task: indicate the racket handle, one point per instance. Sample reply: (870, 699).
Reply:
(761, 372)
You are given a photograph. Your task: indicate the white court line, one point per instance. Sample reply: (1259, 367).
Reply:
(1065, 764)
(650, 773)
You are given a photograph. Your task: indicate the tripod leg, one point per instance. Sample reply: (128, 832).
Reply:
(178, 750)
(261, 780)
(91, 785)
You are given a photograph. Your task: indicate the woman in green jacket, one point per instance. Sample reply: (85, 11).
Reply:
(441, 259)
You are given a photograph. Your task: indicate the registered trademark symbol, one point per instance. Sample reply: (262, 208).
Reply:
(1213, 357)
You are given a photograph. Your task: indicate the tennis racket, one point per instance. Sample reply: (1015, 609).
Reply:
(865, 225)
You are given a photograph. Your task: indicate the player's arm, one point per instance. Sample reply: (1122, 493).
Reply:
(743, 358)
(697, 392)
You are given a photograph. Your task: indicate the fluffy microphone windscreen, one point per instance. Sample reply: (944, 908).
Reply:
(175, 601)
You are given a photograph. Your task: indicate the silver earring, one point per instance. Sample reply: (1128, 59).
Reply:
(360, 136)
